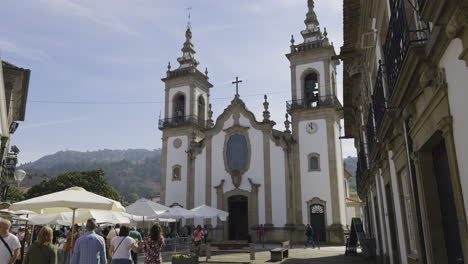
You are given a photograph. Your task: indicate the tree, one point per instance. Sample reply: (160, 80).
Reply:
(14, 195)
(92, 181)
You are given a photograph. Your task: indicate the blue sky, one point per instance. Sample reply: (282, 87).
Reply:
(116, 51)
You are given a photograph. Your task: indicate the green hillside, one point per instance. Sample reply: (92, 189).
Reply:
(135, 173)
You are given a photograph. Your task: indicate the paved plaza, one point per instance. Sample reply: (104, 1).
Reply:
(297, 256)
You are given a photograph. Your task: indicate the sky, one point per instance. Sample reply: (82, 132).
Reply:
(96, 66)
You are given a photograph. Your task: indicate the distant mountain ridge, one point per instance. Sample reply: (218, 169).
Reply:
(105, 155)
(135, 173)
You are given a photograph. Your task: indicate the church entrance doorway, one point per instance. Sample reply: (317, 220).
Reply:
(447, 204)
(238, 217)
(317, 221)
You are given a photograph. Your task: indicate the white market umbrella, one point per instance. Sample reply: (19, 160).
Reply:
(178, 213)
(70, 199)
(209, 212)
(145, 207)
(103, 217)
(65, 218)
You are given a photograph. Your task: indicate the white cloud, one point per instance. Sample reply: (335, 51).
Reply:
(95, 14)
(7, 46)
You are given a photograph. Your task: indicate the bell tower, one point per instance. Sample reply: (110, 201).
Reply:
(315, 118)
(187, 114)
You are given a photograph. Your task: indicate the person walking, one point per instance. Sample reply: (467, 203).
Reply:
(10, 247)
(68, 247)
(197, 240)
(121, 245)
(137, 236)
(310, 236)
(90, 248)
(261, 235)
(42, 251)
(205, 233)
(153, 245)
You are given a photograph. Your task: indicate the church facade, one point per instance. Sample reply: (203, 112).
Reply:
(260, 175)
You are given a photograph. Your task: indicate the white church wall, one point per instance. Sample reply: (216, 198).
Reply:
(172, 92)
(255, 171)
(317, 66)
(278, 186)
(200, 178)
(176, 191)
(340, 172)
(457, 79)
(314, 183)
(218, 172)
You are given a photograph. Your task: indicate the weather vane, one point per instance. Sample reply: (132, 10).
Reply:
(189, 24)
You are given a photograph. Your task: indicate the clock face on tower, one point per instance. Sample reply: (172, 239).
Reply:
(311, 127)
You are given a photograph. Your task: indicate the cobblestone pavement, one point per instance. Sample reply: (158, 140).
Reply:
(296, 256)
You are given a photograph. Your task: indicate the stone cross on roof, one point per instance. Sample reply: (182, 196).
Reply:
(237, 81)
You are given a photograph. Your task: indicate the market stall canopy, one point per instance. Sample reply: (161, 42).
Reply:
(178, 213)
(209, 212)
(145, 207)
(64, 201)
(66, 218)
(52, 219)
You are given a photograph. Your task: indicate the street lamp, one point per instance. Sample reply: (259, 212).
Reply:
(19, 176)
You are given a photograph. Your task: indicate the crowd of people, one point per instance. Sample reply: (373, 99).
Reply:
(119, 244)
(95, 245)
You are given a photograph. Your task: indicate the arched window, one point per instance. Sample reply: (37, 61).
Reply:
(179, 105)
(176, 173)
(311, 89)
(314, 162)
(201, 108)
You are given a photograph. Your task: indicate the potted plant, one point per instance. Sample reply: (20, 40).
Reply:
(184, 259)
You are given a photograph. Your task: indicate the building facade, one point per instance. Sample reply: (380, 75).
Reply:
(14, 84)
(405, 86)
(260, 175)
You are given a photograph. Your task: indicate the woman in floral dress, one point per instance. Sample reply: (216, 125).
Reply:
(153, 245)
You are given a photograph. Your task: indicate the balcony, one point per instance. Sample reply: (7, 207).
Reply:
(378, 99)
(400, 37)
(370, 132)
(182, 121)
(317, 102)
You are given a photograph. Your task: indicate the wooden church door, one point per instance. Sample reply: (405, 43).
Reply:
(317, 221)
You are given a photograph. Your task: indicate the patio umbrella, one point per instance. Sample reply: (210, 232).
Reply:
(65, 218)
(178, 213)
(70, 199)
(209, 212)
(145, 207)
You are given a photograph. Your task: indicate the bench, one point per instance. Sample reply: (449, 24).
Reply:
(277, 254)
(230, 247)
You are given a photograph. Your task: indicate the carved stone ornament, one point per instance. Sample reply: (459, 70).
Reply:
(237, 152)
(177, 143)
(457, 23)
(433, 77)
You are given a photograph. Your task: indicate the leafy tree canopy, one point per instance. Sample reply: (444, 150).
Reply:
(92, 181)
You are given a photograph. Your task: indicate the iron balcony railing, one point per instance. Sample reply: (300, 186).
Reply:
(400, 36)
(371, 139)
(182, 121)
(378, 99)
(316, 102)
